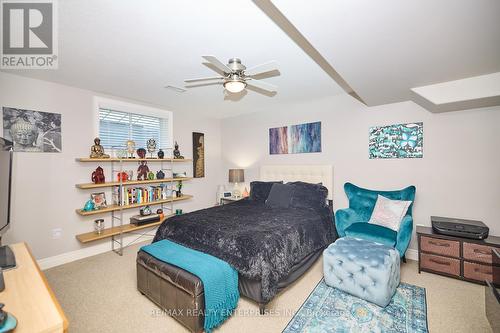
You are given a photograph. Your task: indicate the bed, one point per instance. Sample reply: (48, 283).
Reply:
(269, 247)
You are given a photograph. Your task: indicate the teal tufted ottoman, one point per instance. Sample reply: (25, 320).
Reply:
(362, 268)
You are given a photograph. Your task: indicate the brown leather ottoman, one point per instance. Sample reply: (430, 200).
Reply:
(176, 291)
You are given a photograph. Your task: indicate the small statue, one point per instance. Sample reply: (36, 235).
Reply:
(89, 206)
(122, 176)
(151, 175)
(97, 151)
(179, 188)
(161, 154)
(160, 175)
(159, 211)
(151, 145)
(142, 171)
(141, 152)
(98, 176)
(145, 211)
(177, 153)
(130, 174)
(131, 148)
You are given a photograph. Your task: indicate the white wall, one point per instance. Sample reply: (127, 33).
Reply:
(45, 196)
(459, 175)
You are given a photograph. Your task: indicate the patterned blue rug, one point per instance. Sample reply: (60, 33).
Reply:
(328, 309)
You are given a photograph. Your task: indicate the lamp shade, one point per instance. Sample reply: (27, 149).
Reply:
(236, 175)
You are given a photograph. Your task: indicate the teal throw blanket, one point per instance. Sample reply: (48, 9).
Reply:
(220, 280)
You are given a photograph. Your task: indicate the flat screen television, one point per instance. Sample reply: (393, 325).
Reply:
(6, 156)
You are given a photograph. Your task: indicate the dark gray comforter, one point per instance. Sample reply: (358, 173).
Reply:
(258, 241)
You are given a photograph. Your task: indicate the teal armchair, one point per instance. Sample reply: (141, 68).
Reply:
(353, 220)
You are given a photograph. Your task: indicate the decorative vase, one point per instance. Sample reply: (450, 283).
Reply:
(161, 154)
(99, 226)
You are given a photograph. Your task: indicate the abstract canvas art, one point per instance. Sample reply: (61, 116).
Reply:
(198, 155)
(397, 141)
(278, 140)
(32, 131)
(295, 139)
(305, 138)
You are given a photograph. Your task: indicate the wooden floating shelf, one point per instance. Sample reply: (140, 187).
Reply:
(148, 159)
(114, 208)
(131, 182)
(109, 232)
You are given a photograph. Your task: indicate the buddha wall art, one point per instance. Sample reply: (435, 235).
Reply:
(32, 131)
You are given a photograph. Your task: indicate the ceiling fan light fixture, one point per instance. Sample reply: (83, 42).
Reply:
(235, 86)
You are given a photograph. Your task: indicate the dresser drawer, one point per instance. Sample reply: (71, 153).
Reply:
(440, 246)
(440, 264)
(478, 252)
(478, 272)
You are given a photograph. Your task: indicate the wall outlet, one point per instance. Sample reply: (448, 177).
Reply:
(57, 233)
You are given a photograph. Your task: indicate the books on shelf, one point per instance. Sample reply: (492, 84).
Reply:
(137, 195)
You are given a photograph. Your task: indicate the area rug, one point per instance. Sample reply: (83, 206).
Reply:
(328, 309)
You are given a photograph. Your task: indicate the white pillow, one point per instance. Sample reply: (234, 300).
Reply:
(389, 213)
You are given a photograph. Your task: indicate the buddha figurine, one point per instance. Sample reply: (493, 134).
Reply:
(177, 152)
(97, 151)
(24, 135)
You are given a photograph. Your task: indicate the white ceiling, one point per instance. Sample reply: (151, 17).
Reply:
(381, 49)
(385, 48)
(134, 48)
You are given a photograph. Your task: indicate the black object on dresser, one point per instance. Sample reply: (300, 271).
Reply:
(460, 228)
(461, 258)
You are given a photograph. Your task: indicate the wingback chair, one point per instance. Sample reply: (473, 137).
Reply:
(353, 220)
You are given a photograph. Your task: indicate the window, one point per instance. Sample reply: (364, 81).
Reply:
(116, 127)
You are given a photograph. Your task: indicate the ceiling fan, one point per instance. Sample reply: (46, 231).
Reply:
(236, 77)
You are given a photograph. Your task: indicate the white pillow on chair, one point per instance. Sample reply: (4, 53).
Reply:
(389, 213)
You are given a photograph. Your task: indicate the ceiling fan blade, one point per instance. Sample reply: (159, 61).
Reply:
(262, 68)
(214, 61)
(204, 79)
(262, 85)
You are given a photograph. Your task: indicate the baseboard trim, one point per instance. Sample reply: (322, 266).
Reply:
(412, 254)
(82, 253)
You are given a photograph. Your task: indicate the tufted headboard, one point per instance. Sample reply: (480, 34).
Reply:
(306, 173)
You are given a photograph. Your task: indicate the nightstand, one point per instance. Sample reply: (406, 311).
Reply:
(227, 200)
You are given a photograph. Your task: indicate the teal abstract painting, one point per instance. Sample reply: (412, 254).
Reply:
(397, 141)
(305, 138)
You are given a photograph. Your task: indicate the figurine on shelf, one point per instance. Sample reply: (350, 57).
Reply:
(97, 151)
(177, 153)
(98, 176)
(161, 154)
(145, 211)
(141, 152)
(122, 176)
(151, 175)
(131, 148)
(151, 145)
(130, 174)
(160, 175)
(142, 171)
(159, 211)
(179, 188)
(89, 206)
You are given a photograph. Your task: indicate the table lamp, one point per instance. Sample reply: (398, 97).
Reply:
(236, 176)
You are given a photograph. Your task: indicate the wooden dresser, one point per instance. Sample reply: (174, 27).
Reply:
(461, 258)
(29, 298)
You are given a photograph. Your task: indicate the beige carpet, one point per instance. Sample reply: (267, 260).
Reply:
(98, 294)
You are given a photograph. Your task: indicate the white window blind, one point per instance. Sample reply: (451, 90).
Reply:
(116, 127)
